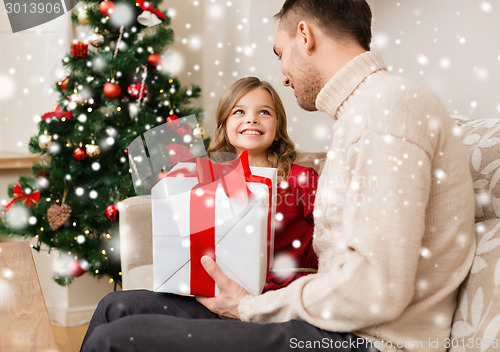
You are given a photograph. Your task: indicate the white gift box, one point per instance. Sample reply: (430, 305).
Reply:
(243, 230)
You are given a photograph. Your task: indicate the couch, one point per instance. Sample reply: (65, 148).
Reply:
(477, 317)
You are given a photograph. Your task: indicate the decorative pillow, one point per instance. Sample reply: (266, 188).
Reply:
(314, 160)
(476, 325)
(481, 139)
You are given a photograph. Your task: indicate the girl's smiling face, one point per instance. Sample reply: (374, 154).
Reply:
(252, 123)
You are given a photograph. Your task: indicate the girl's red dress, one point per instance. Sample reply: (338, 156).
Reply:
(294, 228)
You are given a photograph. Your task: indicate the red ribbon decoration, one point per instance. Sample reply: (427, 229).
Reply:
(18, 193)
(146, 6)
(201, 228)
(202, 220)
(57, 113)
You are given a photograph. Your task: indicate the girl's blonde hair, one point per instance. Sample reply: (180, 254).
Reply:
(281, 153)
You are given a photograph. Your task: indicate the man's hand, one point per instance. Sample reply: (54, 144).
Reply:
(230, 293)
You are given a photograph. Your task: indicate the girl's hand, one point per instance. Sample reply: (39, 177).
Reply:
(230, 293)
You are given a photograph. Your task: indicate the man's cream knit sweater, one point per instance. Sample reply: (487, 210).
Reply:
(394, 217)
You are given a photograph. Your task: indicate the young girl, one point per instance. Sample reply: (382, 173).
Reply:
(250, 116)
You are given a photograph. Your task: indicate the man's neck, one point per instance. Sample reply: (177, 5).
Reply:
(334, 56)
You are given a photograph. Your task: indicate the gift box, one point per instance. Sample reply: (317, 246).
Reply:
(223, 210)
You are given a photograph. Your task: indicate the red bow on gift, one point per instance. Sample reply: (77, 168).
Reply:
(146, 6)
(18, 193)
(58, 113)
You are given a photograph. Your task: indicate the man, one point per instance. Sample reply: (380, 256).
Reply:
(394, 217)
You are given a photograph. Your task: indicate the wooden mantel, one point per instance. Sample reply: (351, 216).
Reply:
(12, 161)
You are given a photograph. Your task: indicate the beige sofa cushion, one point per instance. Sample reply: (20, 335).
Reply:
(476, 326)
(481, 139)
(136, 243)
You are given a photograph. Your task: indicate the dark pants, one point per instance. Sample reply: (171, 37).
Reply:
(147, 321)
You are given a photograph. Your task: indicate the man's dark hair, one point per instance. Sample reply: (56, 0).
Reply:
(337, 18)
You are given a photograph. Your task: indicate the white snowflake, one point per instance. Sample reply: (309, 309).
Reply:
(486, 6)
(425, 252)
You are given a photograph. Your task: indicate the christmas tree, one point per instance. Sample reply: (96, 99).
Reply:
(115, 91)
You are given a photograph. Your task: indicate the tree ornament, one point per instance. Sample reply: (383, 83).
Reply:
(96, 40)
(76, 98)
(45, 160)
(83, 17)
(79, 154)
(92, 150)
(112, 90)
(106, 7)
(42, 173)
(64, 83)
(111, 212)
(117, 46)
(200, 131)
(148, 19)
(154, 59)
(58, 114)
(137, 91)
(75, 269)
(133, 109)
(45, 141)
(146, 6)
(57, 215)
(27, 195)
(79, 49)
(172, 118)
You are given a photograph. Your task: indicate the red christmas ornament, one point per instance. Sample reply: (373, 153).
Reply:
(172, 118)
(64, 83)
(79, 154)
(134, 90)
(112, 90)
(79, 49)
(111, 212)
(154, 60)
(75, 269)
(106, 7)
(126, 151)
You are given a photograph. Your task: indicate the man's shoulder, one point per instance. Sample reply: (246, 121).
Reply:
(395, 105)
(387, 87)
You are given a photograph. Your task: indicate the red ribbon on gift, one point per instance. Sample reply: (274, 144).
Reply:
(19, 195)
(202, 209)
(58, 113)
(146, 6)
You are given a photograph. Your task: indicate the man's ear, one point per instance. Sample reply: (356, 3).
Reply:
(306, 36)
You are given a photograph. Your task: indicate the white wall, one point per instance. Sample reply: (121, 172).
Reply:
(30, 63)
(450, 45)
